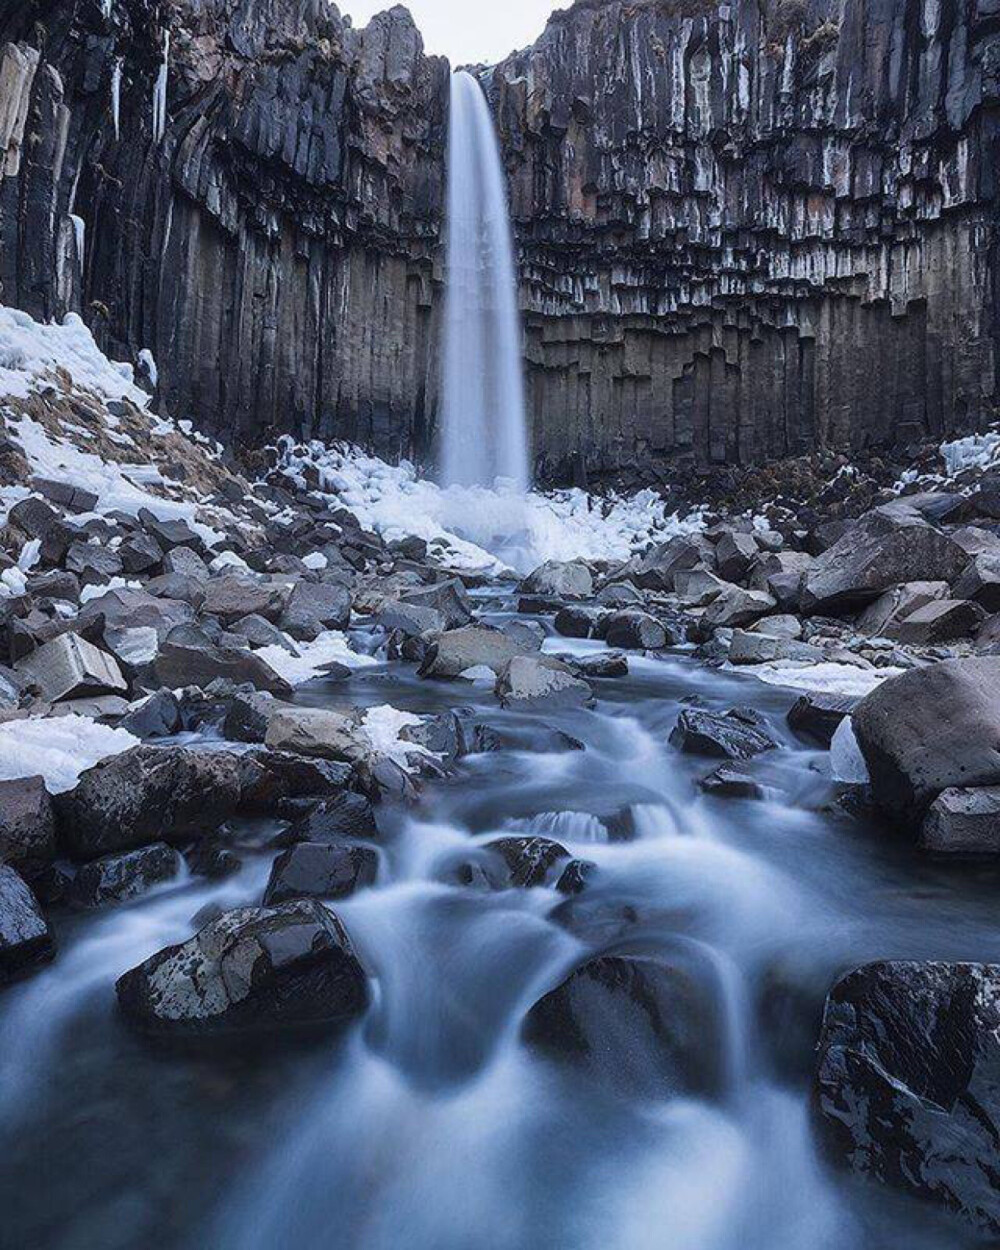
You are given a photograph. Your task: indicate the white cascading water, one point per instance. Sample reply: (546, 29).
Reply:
(484, 434)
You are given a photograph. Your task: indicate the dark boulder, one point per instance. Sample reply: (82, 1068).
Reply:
(271, 780)
(732, 735)
(656, 569)
(528, 862)
(27, 825)
(449, 598)
(639, 1025)
(343, 815)
(148, 794)
(120, 878)
(636, 631)
(906, 1088)
(963, 822)
(817, 716)
(190, 658)
(249, 971)
(727, 782)
(320, 870)
(940, 621)
(25, 939)
(531, 682)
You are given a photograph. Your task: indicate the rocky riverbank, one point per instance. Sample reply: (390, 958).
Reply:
(163, 612)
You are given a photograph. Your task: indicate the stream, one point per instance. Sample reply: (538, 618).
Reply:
(431, 1126)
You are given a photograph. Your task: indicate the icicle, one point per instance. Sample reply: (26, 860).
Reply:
(116, 97)
(160, 93)
(107, 8)
(80, 233)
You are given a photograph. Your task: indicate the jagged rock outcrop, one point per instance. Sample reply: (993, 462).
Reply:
(274, 246)
(744, 230)
(747, 229)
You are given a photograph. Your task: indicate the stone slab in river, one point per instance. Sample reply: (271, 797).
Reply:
(931, 729)
(25, 939)
(963, 822)
(907, 1087)
(458, 650)
(69, 667)
(531, 681)
(249, 971)
(320, 870)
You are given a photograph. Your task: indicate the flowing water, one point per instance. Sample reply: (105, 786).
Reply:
(483, 435)
(430, 1125)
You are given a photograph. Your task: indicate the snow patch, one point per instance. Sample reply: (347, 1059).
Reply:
(382, 726)
(846, 761)
(978, 451)
(58, 748)
(827, 677)
(308, 664)
(30, 351)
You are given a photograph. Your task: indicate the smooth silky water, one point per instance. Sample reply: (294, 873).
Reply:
(429, 1126)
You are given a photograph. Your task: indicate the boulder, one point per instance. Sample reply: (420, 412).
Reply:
(880, 617)
(735, 606)
(929, 730)
(473, 646)
(270, 781)
(185, 562)
(637, 1024)
(785, 626)
(189, 658)
(343, 815)
(941, 621)
(817, 716)
(149, 794)
(120, 878)
(981, 582)
(635, 631)
(326, 603)
(604, 664)
(25, 939)
(139, 553)
(27, 825)
(753, 648)
(906, 1086)
(963, 822)
(560, 580)
(727, 782)
(656, 569)
(261, 633)
(577, 621)
(69, 667)
(316, 733)
(93, 563)
(159, 716)
(528, 862)
(530, 682)
(734, 555)
(124, 608)
(170, 534)
(449, 598)
(248, 715)
(231, 597)
(33, 517)
(885, 548)
(253, 970)
(619, 595)
(732, 735)
(412, 620)
(697, 588)
(320, 870)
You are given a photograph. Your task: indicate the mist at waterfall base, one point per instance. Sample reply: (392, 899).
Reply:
(483, 432)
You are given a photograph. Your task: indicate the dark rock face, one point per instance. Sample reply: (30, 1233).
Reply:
(250, 970)
(720, 735)
(320, 870)
(906, 1089)
(148, 794)
(119, 878)
(27, 824)
(636, 1024)
(730, 218)
(749, 155)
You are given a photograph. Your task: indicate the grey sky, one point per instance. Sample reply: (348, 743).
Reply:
(467, 31)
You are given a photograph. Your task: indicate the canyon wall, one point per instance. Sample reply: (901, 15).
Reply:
(744, 229)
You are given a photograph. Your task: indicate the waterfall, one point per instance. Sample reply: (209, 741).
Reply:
(160, 92)
(116, 97)
(483, 420)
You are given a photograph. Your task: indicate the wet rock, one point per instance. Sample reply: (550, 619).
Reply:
(635, 631)
(576, 876)
(248, 716)
(25, 939)
(577, 621)
(529, 862)
(884, 549)
(253, 970)
(528, 634)
(818, 716)
(619, 595)
(558, 580)
(320, 870)
(458, 650)
(940, 621)
(27, 825)
(149, 794)
(929, 730)
(963, 822)
(444, 735)
(316, 733)
(120, 878)
(656, 569)
(69, 667)
(731, 783)
(449, 598)
(189, 658)
(605, 664)
(722, 735)
(637, 1024)
(906, 1089)
(271, 780)
(343, 815)
(530, 682)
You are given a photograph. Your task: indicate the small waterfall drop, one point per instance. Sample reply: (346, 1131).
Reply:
(483, 419)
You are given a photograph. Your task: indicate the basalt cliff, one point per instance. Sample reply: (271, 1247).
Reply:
(744, 230)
